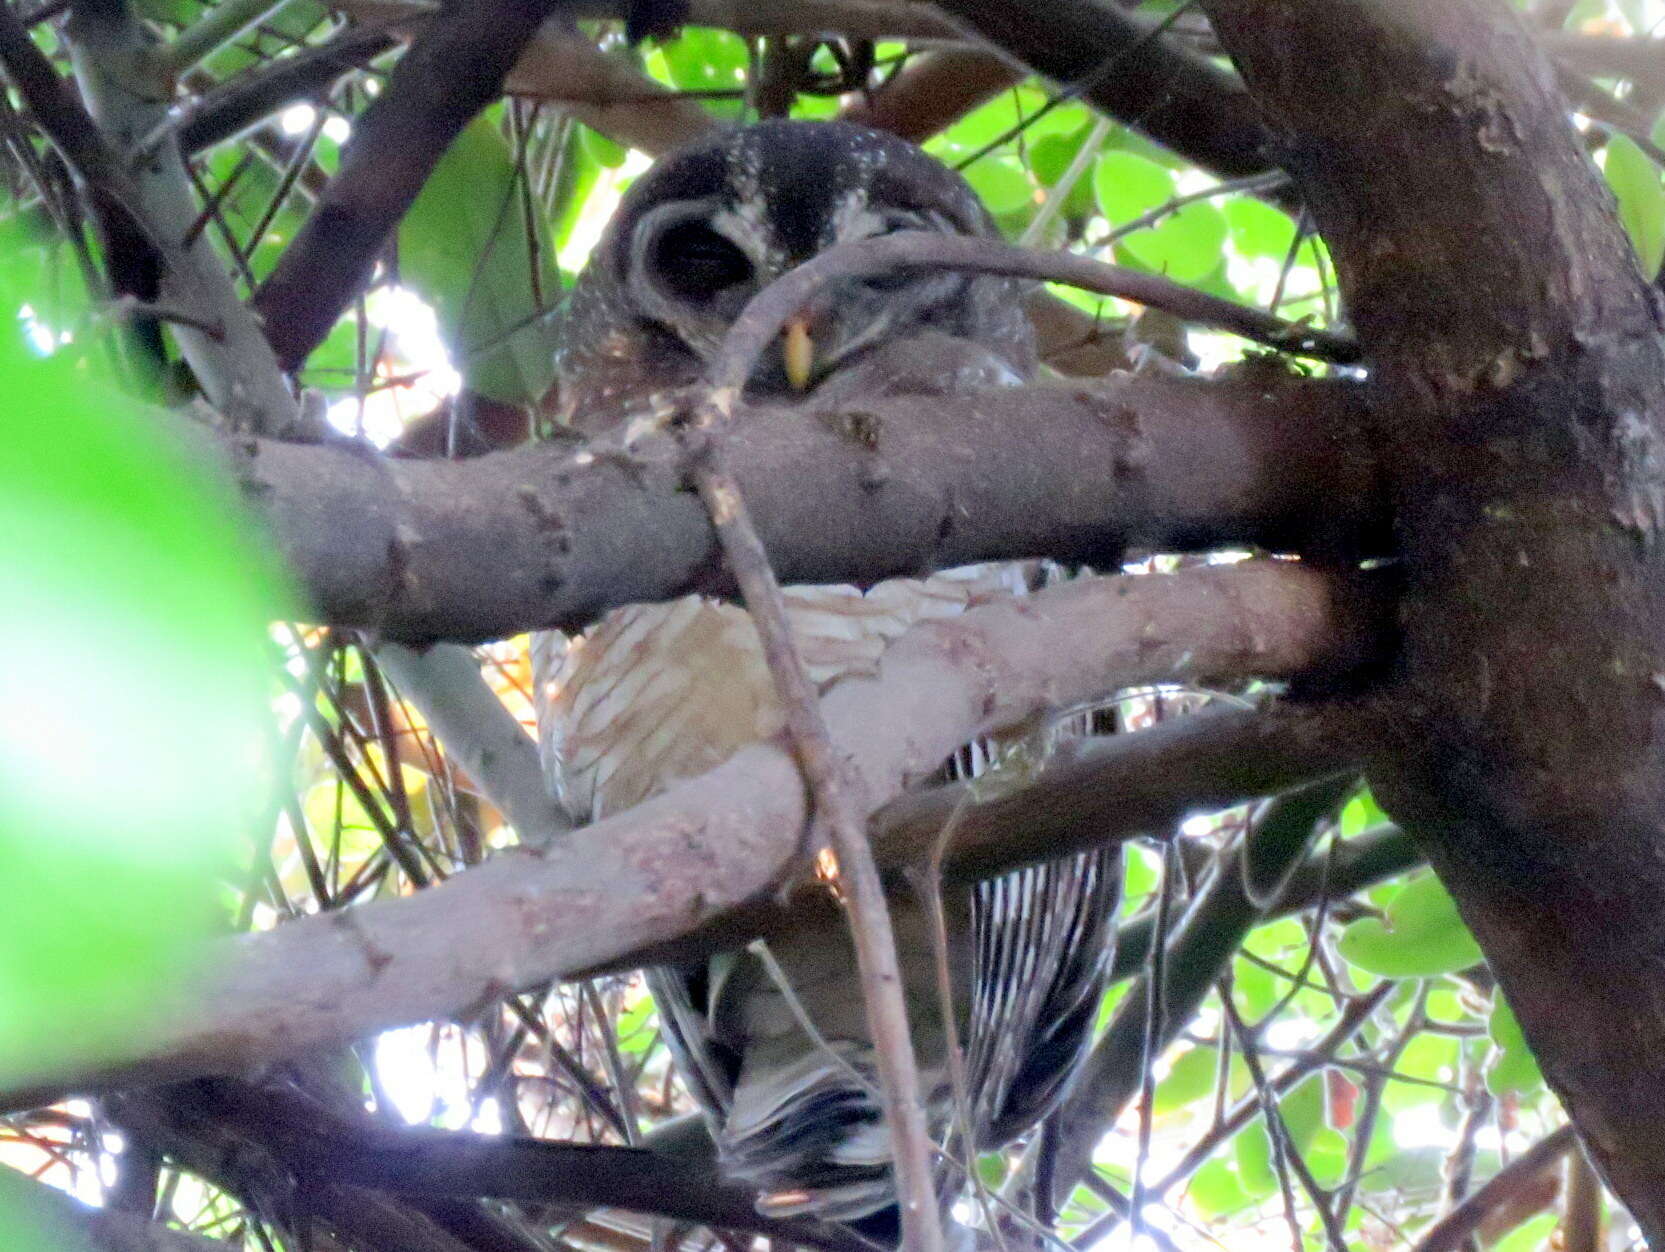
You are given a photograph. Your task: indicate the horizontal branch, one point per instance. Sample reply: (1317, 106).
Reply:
(541, 536)
(666, 867)
(333, 1154)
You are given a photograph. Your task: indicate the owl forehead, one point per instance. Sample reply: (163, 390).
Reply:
(796, 199)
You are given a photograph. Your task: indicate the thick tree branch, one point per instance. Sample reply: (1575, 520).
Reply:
(1522, 346)
(1145, 783)
(542, 536)
(647, 876)
(934, 91)
(334, 1158)
(1178, 99)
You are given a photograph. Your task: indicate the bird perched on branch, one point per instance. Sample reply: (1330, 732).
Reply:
(658, 693)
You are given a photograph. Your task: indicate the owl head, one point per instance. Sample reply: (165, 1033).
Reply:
(710, 226)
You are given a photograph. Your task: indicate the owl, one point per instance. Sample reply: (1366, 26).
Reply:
(774, 1046)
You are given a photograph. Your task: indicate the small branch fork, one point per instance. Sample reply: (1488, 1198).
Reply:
(837, 804)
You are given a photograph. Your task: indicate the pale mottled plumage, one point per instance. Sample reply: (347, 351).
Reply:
(658, 693)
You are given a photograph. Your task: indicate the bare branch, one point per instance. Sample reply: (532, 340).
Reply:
(1180, 100)
(762, 319)
(334, 1154)
(539, 536)
(456, 67)
(1140, 784)
(648, 876)
(481, 735)
(839, 812)
(1447, 1234)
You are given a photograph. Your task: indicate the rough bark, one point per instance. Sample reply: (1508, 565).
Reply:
(1505, 315)
(480, 549)
(644, 878)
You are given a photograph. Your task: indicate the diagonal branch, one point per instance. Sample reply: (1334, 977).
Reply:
(330, 1153)
(1180, 100)
(455, 68)
(681, 860)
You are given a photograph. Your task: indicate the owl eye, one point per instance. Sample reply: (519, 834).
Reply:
(696, 262)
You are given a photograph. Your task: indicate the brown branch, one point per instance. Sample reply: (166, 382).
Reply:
(839, 815)
(332, 1154)
(643, 878)
(1139, 784)
(1178, 99)
(456, 67)
(541, 536)
(858, 19)
(934, 91)
(1447, 1234)
(761, 321)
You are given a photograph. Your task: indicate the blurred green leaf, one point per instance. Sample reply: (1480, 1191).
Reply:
(1421, 936)
(1634, 179)
(1002, 184)
(465, 246)
(703, 59)
(1251, 1151)
(133, 608)
(1531, 1235)
(1257, 229)
(1191, 1077)
(638, 1027)
(1184, 246)
(1215, 1188)
(1515, 1071)
(1129, 186)
(601, 149)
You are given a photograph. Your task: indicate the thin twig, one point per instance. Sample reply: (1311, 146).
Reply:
(760, 322)
(839, 811)
(1446, 1234)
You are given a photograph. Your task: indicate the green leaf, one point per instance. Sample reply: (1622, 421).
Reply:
(1257, 229)
(1635, 182)
(1129, 186)
(1251, 1151)
(1185, 245)
(1216, 1189)
(1191, 1077)
(601, 149)
(1421, 936)
(1002, 184)
(1515, 1070)
(707, 60)
(638, 1027)
(1530, 1236)
(466, 248)
(133, 611)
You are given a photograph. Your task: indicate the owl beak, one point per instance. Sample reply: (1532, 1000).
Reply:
(798, 351)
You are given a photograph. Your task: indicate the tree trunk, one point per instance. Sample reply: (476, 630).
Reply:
(1505, 315)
